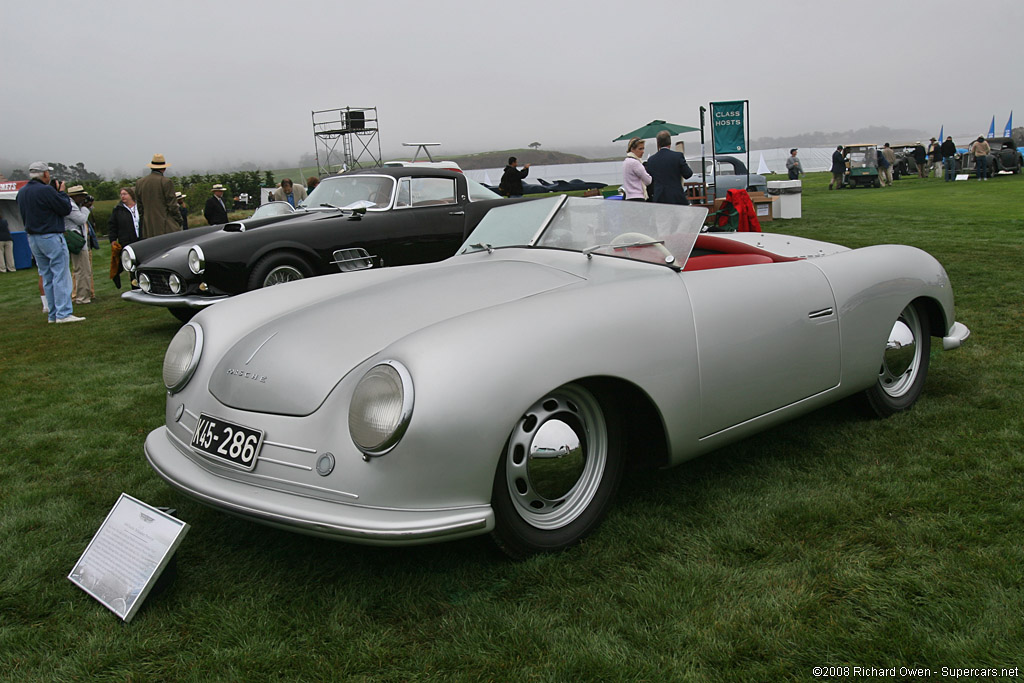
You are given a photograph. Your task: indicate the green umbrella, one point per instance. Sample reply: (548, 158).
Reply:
(652, 129)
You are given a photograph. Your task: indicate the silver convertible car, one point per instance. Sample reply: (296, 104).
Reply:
(505, 389)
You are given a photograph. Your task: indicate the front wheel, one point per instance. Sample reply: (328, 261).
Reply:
(275, 269)
(904, 364)
(558, 475)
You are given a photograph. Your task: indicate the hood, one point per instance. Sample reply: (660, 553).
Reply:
(290, 364)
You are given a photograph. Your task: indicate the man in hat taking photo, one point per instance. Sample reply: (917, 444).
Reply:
(158, 209)
(81, 262)
(43, 209)
(215, 212)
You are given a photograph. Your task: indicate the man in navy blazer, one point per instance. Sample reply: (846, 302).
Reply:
(668, 169)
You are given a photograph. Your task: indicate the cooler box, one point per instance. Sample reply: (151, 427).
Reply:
(788, 198)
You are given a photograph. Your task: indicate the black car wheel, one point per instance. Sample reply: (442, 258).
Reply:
(904, 364)
(558, 475)
(277, 268)
(183, 314)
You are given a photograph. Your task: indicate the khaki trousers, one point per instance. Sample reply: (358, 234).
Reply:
(7, 256)
(81, 277)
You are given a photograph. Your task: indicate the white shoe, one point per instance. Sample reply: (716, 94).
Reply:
(70, 319)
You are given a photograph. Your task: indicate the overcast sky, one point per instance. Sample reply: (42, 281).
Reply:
(219, 82)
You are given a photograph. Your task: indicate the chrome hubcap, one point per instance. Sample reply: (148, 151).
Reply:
(902, 360)
(282, 274)
(556, 458)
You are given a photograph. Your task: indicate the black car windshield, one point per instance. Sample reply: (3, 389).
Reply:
(659, 233)
(372, 192)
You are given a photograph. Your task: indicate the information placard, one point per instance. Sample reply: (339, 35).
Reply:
(127, 554)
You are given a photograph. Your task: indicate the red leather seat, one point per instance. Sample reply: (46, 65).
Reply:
(709, 261)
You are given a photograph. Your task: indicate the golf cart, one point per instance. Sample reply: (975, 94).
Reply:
(861, 166)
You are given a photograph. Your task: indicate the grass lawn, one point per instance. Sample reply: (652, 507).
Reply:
(834, 540)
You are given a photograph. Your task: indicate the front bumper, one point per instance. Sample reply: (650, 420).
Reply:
(309, 515)
(172, 301)
(956, 336)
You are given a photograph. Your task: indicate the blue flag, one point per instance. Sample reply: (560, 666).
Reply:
(1009, 126)
(941, 129)
(992, 127)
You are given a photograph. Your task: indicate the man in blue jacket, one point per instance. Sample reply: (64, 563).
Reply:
(668, 169)
(43, 208)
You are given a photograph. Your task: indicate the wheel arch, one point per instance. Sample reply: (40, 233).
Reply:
(645, 444)
(937, 323)
(308, 256)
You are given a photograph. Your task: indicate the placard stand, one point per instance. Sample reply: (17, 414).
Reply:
(124, 560)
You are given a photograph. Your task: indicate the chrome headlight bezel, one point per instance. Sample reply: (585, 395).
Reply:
(174, 282)
(144, 283)
(196, 260)
(385, 392)
(182, 355)
(128, 259)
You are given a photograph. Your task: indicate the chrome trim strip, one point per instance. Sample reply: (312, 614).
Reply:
(544, 226)
(823, 313)
(301, 449)
(770, 412)
(260, 347)
(297, 466)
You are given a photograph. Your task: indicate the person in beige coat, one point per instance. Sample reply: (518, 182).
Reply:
(289, 192)
(158, 208)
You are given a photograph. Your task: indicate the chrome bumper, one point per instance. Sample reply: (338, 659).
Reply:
(312, 516)
(171, 301)
(956, 336)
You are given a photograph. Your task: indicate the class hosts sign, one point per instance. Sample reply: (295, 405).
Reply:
(727, 127)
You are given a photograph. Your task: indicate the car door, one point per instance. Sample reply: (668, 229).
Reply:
(767, 336)
(426, 223)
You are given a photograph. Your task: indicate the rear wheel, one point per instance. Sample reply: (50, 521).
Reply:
(278, 268)
(904, 364)
(558, 475)
(183, 314)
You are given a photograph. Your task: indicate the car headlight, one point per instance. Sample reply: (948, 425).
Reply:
(182, 357)
(128, 260)
(196, 260)
(381, 408)
(144, 284)
(174, 282)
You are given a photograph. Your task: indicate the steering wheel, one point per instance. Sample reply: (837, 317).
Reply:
(634, 237)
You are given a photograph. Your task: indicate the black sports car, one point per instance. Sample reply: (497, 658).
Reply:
(364, 219)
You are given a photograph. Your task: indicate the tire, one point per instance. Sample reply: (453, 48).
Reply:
(876, 182)
(183, 314)
(558, 474)
(904, 366)
(278, 268)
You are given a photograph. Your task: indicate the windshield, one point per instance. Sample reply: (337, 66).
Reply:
(372, 192)
(657, 233)
(478, 192)
(862, 157)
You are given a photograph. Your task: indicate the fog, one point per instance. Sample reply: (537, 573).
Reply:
(212, 85)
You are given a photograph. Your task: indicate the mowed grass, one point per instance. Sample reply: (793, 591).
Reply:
(833, 540)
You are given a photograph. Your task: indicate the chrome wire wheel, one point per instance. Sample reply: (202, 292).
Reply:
(281, 274)
(556, 458)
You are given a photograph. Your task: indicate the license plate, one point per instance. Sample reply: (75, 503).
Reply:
(227, 441)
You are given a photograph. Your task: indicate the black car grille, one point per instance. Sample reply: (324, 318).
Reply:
(158, 282)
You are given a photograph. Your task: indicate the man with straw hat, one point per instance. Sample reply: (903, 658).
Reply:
(215, 212)
(158, 208)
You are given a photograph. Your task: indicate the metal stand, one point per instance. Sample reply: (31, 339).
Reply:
(356, 129)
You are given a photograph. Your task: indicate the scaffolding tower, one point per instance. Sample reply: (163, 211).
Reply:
(356, 129)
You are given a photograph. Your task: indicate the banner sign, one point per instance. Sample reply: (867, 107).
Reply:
(727, 127)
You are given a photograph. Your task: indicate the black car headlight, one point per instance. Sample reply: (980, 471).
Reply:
(128, 259)
(144, 283)
(182, 357)
(196, 260)
(174, 282)
(381, 408)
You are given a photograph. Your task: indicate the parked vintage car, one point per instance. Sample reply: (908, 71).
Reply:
(506, 389)
(1003, 156)
(725, 173)
(364, 219)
